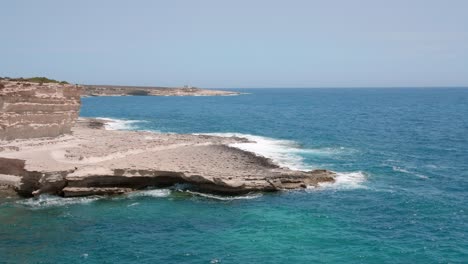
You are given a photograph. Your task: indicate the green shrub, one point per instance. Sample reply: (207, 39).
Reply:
(36, 80)
(41, 80)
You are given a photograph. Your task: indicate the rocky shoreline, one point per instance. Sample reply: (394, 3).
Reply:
(45, 149)
(96, 161)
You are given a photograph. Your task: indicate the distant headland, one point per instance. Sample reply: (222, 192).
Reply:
(117, 90)
(120, 90)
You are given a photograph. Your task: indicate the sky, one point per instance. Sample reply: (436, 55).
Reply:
(238, 43)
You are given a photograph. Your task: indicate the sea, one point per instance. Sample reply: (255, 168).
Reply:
(401, 195)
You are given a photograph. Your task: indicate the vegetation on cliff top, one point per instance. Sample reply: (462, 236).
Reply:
(33, 79)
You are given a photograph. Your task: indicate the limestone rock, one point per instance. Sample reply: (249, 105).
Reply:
(32, 110)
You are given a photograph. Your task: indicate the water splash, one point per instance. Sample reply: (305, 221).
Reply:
(346, 181)
(151, 193)
(226, 198)
(120, 124)
(47, 201)
(286, 153)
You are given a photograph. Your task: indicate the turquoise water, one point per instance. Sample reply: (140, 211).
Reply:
(401, 197)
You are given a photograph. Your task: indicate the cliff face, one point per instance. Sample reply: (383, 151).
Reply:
(32, 110)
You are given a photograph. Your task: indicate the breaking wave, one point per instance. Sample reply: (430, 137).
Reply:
(288, 153)
(226, 198)
(151, 193)
(120, 124)
(47, 201)
(346, 180)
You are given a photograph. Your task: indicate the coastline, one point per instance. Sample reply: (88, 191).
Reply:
(117, 90)
(96, 161)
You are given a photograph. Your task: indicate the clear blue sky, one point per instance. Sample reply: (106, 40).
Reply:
(238, 43)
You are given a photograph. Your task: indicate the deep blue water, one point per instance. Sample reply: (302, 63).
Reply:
(402, 155)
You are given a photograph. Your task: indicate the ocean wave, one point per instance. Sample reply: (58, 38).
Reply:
(120, 124)
(47, 201)
(346, 181)
(150, 193)
(286, 153)
(226, 198)
(283, 152)
(403, 170)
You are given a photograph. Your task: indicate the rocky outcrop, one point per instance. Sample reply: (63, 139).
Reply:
(95, 161)
(113, 90)
(32, 110)
(104, 181)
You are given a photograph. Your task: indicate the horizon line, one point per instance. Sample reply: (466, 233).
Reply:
(347, 87)
(285, 87)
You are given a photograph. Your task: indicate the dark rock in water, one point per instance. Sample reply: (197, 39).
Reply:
(96, 124)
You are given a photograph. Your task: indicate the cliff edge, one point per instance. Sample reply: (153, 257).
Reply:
(34, 110)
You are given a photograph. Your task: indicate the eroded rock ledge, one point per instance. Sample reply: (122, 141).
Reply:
(94, 161)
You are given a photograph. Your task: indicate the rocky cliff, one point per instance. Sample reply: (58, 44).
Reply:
(32, 110)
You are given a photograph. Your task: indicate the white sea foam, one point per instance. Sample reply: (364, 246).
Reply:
(151, 193)
(346, 180)
(403, 170)
(120, 124)
(283, 152)
(46, 201)
(226, 198)
(287, 153)
(399, 169)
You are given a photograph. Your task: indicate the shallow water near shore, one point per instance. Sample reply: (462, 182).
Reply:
(400, 197)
